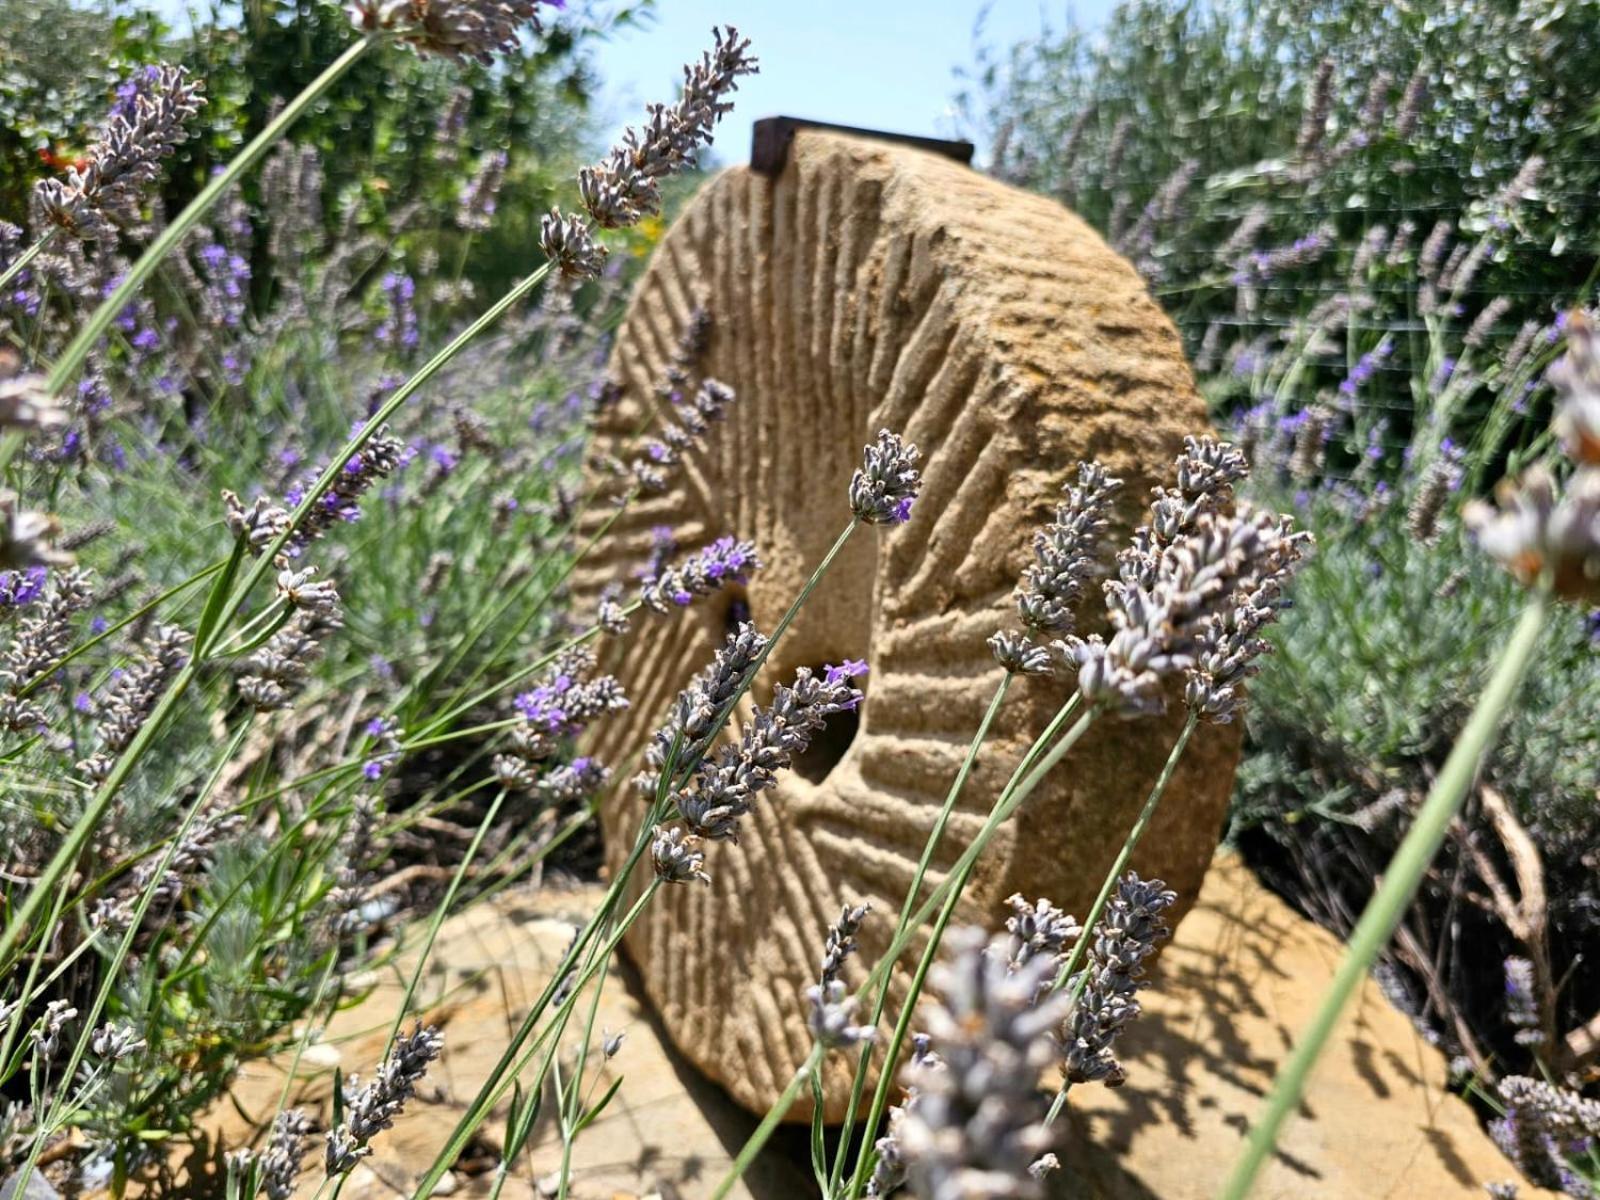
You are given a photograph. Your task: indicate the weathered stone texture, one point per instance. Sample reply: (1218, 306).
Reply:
(875, 286)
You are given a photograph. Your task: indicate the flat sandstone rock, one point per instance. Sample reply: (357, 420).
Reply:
(666, 1135)
(1237, 984)
(869, 286)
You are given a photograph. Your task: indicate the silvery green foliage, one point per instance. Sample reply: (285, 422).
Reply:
(884, 487)
(104, 192)
(624, 186)
(374, 1107)
(454, 29)
(974, 1127)
(1126, 936)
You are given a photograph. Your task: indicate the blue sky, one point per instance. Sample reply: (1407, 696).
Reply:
(883, 64)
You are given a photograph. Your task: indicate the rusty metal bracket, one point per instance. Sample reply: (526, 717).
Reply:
(770, 138)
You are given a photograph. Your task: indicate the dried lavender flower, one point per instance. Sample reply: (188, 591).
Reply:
(830, 1015)
(693, 421)
(259, 523)
(27, 538)
(193, 857)
(133, 695)
(1126, 936)
(1522, 1005)
(103, 193)
(883, 489)
(453, 29)
(1018, 655)
(302, 590)
(623, 187)
(1310, 441)
(1576, 378)
(1539, 532)
(280, 1164)
(685, 738)
(1541, 1123)
(974, 1127)
(47, 1035)
(1231, 644)
(375, 1107)
(1038, 930)
(25, 401)
(380, 457)
(1441, 477)
(115, 1042)
(42, 638)
(273, 675)
(1167, 602)
(841, 942)
(723, 788)
(676, 856)
(1066, 553)
(569, 243)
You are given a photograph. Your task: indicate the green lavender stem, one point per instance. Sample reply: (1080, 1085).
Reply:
(1393, 894)
(1010, 800)
(769, 1123)
(935, 835)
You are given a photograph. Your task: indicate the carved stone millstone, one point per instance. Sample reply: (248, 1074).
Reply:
(872, 285)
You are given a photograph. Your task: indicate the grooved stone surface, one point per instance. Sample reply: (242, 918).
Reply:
(877, 286)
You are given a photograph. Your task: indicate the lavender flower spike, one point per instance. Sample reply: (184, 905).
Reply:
(723, 789)
(974, 1127)
(882, 491)
(1539, 533)
(687, 733)
(622, 188)
(375, 1107)
(1124, 939)
(724, 561)
(104, 192)
(677, 857)
(1065, 553)
(454, 29)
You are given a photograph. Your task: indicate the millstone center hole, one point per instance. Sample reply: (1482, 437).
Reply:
(816, 761)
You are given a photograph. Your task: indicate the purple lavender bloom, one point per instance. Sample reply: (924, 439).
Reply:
(21, 588)
(1591, 626)
(398, 330)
